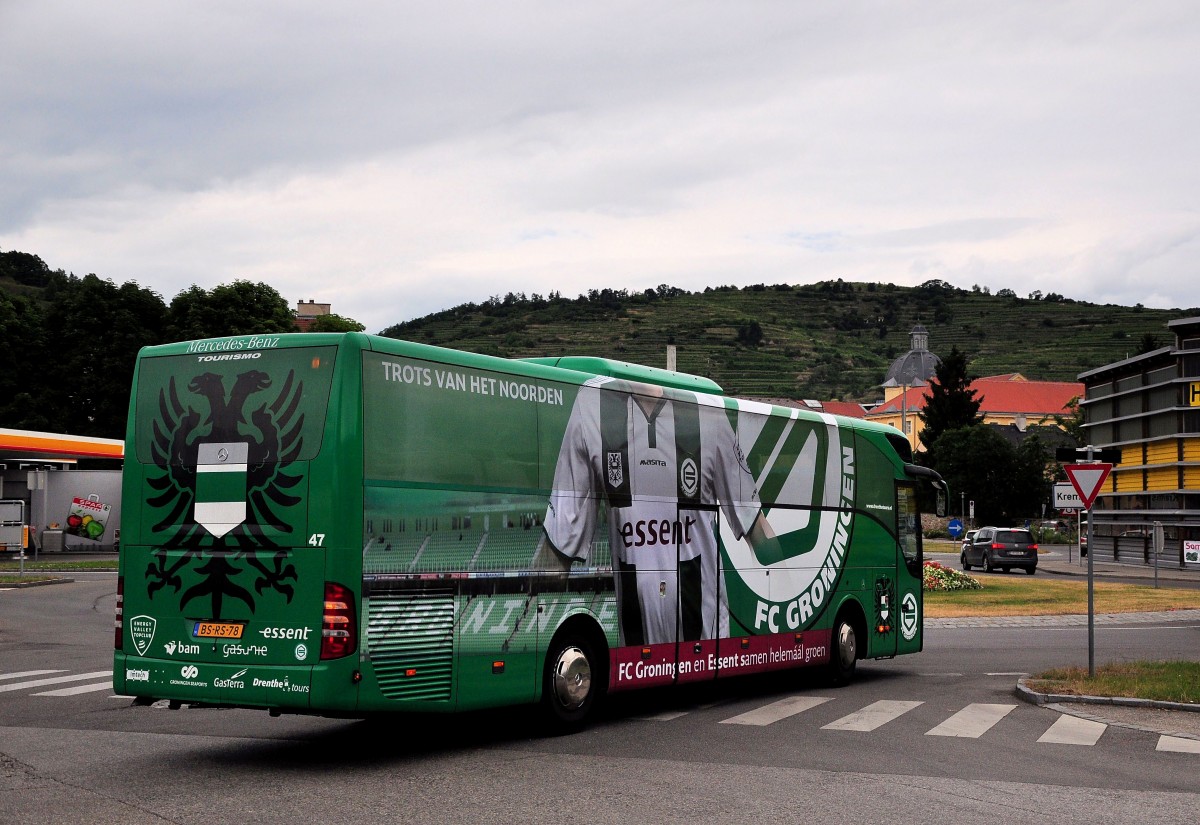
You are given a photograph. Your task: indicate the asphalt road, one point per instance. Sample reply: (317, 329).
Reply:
(960, 749)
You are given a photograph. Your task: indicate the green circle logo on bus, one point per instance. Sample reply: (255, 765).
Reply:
(783, 585)
(909, 616)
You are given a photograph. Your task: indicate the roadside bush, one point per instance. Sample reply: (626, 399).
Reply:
(937, 577)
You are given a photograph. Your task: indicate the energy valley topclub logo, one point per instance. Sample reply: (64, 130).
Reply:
(141, 632)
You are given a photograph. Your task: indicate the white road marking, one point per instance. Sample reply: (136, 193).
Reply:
(78, 689)
(665, 716)
(25, 673)
(873, 715)
(1071, 730)
(972, 721)
(1177, 744)
(78, 677)
(774, 712)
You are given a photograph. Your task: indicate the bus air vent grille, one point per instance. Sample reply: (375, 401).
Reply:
(410, 638)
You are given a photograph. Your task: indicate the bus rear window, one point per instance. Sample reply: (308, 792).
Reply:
(275, 400)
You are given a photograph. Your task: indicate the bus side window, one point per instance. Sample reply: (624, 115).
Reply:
(908, 527)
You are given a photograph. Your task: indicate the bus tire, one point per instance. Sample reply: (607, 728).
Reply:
(843, 655)
(571, 686)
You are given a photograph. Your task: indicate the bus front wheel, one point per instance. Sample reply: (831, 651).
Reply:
(571, 683)
(844, 656)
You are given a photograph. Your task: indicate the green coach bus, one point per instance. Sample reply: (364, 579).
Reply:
(349, 524)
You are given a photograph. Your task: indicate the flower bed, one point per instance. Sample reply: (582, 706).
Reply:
(937, 577)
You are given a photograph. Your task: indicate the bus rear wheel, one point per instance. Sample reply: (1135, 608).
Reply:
(571, 686)
(844, 656)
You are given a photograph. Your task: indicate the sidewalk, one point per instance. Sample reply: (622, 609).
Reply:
(1166, 718)
(1056, 562)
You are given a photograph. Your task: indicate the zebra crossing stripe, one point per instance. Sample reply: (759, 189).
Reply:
(774, 712)
(1071, 730)
(27, 673)
(873, 716)
(665, 716)
(79, 677)
(78, 689)
(1177, 744)
(972, 721)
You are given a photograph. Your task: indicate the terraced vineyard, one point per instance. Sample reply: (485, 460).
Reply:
(832, 340)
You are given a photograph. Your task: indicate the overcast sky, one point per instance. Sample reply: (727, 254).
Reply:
(396, 158)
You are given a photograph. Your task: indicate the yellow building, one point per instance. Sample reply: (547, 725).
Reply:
(1005, 400)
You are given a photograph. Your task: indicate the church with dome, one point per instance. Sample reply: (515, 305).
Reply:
(912, 369)
(1011, 402)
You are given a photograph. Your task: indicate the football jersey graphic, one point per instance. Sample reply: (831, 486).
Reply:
(667, 470)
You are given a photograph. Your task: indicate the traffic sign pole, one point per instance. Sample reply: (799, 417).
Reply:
(1091, 599)
(1088, 478)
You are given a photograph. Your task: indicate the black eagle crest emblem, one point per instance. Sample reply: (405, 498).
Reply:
(203, 446)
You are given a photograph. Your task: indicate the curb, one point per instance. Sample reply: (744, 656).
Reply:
(38, 583)
(1063, 704)
(1033, 697)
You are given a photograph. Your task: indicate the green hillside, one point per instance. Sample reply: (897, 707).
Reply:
(832, 340)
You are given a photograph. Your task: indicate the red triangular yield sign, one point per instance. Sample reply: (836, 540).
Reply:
(1087, 479)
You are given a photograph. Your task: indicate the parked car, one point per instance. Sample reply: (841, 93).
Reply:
(1001, 548)
(967, 536)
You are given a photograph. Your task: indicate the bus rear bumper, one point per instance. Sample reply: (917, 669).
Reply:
(237, 685)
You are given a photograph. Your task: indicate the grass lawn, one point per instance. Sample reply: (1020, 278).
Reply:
(43, 566)
(12, 578)
(1034, 596)
(1163, 681)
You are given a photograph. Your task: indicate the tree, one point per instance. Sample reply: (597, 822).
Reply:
(750, 334)
(1071, 423)
(335, 323)
(950, 402)
(1006, 483)
(22, 379)
(1149, 343)
(24, 268)
(240, 308)
(88, 360)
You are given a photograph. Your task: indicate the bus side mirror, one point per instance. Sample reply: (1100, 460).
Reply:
(941, 502)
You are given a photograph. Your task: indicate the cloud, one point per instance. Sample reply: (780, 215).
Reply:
(396, 159)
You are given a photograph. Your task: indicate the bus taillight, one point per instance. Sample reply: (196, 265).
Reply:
(339, 631)
(119, 617)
